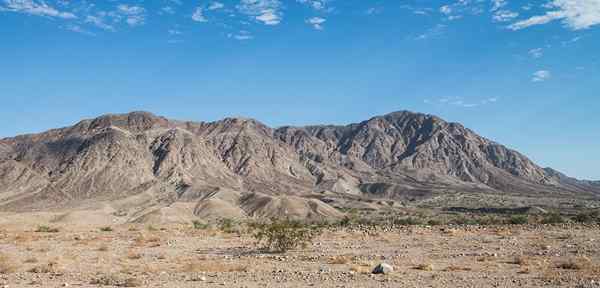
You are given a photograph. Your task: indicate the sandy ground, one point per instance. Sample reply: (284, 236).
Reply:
(181, 256)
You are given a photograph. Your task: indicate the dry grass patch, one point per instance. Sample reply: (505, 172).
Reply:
(424, 267)
(132, 255)
(214, 266)
(7, 264)
(48, 268)
(116, 280)
(340, 259)
(455, 268)
(30, 260)
(577, 263)
(361, 268)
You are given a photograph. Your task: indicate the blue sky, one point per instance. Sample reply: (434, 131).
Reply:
(523, 73)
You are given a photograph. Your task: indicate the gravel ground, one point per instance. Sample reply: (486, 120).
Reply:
(180, 256)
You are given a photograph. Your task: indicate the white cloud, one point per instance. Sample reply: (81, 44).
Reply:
(316, 22)
(541, 76)
(241, 35)
(269, 17)
(497, 4)
(198, 15)
(316, 4)
(216, 6)
(433, 32)
(575, 14)
(98, 22)
(266, 11)
(446, 10)
(536, 53)
(135, 15)
(504, 15)
(35, 8)
(460, 102)
(174, 32)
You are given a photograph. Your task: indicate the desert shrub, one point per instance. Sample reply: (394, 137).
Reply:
(434, 222)
(489, 220)
(518, 219)
(283, 235)
(552, 218)
(199, 225)
(116, 280)
(228, 225)
(587, 217)
(463, 220)
(408, 221)
(46, 229)
(106, 229)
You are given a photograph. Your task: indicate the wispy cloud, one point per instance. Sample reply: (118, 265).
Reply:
(216, 6)
(536, 53)
(575, 14)
(266, 11)
(541, 76)
(433, 32)
(316, 22)
(198, 15)
(35, 8)
(460, 102)
(134, 15)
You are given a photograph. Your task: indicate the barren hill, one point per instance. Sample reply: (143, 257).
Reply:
(141, 166)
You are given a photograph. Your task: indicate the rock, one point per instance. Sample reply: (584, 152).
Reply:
(383, 268)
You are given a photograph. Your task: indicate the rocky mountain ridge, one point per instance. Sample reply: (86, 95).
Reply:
(142, 164)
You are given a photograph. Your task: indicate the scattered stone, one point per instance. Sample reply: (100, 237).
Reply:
(383, 268)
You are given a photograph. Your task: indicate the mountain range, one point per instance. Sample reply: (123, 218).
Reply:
(141, 167)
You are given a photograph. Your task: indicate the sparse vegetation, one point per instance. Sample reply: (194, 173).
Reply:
(46, 229)
(518, 219)
(425, 267)
(283, 235)
(552, 218)
(106, 229)
(116, 280)
(7, 265)
(198, 225)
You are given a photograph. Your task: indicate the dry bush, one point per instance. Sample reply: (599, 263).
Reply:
(361, 268)
(454, 268)
(46, 229)
(424, 267)
(132, 255)
(103, 248)
(31, 260)
(214, 266)
(116, 280)
(7, 265)
(340, 259)
(521, 261)
(151, 241)
(50, 267)
(577, 263)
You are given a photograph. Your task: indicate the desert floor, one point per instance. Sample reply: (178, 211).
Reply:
(181, 256)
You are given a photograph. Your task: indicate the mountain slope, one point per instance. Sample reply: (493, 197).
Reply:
(138, 164)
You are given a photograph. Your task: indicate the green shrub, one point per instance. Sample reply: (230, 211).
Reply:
(46, 229)
(434, 222)
(587, 217)
(518, 219)
(106, 229)
(283, 235)
(199, 225)
(552, 218)
(408, 221)
(228, 225)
